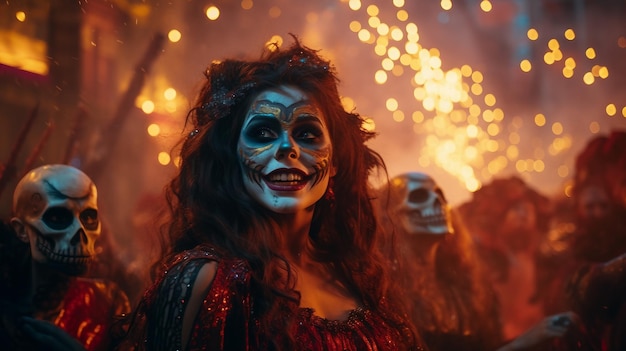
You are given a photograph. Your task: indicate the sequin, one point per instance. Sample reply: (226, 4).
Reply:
(87, 312)
(226, 320)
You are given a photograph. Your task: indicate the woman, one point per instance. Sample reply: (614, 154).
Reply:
(273, 237)
(454, 305)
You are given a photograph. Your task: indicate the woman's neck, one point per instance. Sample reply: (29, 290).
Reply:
(295, 229)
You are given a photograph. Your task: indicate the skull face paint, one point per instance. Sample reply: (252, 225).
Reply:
(420, 205)
(285, 150)
(56, 212)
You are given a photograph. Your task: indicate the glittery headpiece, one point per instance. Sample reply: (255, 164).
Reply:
(231, 81)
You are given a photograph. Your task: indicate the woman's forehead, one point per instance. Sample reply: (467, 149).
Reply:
(285, 95)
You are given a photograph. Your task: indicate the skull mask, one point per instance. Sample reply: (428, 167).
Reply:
(419, 204)
(56, 212)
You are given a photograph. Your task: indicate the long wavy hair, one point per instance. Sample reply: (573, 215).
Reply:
(209, 204)
(457, 299)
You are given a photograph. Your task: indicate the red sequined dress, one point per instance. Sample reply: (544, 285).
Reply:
(88, 311)
(227, 319)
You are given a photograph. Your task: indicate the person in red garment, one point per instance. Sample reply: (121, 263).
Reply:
(584, 261)
(273, 234)
(455, 306)
(508, 219)
(46, 302)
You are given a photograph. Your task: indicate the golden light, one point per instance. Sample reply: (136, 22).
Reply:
(417, 117)
(402, 15)
(372, 10)
(164, 158)
(411, 28)
(553, 44)
(570, 63)
(490, 100)
(169, 94)
(603, 72)
(568, 72)
(391, 104)
(380, 76)
(493, 129)
(471, 131)
(398, 3)
(488, 116)
(387, 64)
(147, 107)
(154, 130)
(540, 120)
(569, 34)
(624, 111)
(397, 34)
(275, 40)
(398, 116)
(590, 53)
(212, 13)
(364, 35)
(355, 26)
(369, 124)
(477, 77)
(477, 89)
(246, 4)
(446, 4)
(393, 53)
(411, 48)
(588, 78)
(485, 5)
(380, 50)
(348, 103)
(532, 34)
(174, 35)
(557, 128)
(611, 110)
(548, 57)
(512, 152)
(274, 12)
(20, 16)
(539, 166)
(382, 29)
(354, 5)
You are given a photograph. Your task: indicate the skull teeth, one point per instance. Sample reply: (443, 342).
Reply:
(64, 256)
(438, 218)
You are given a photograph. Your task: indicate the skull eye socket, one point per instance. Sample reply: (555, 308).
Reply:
(89, 218)
(58, 218)
(418, 196)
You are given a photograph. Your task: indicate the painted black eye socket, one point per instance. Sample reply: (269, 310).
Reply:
(418, 196)
(89, 218)
(58, 218)
(308, 133)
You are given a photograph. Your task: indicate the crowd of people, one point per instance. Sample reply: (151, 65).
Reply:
(275, 239)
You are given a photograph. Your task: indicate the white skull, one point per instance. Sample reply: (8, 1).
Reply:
(419, 204)
(56, 212)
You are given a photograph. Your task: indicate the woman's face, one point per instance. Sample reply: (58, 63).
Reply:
(285, 150)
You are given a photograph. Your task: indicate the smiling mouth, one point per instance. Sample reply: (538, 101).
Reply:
(286, 180)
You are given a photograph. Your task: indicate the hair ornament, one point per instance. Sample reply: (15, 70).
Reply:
(303, 59)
